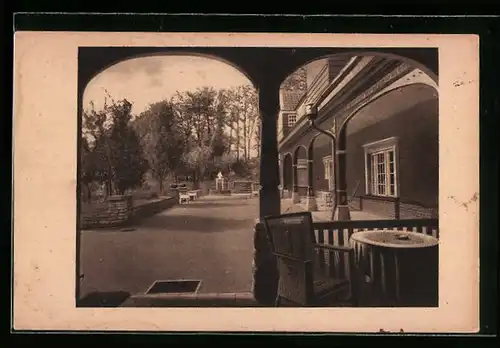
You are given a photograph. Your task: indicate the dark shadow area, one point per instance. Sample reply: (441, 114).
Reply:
(104, 299)
(174, 286)
(195, 223)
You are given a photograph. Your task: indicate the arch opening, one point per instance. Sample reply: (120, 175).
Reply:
(311, 83)
(347, 55)
(366, 77)
(392, 146)
(173, 123)
(321, 152)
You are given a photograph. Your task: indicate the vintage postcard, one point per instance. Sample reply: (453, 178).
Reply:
(246, 182)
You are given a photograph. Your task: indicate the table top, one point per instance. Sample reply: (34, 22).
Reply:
(395, 239)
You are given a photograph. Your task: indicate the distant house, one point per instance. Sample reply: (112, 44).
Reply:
(390, 111)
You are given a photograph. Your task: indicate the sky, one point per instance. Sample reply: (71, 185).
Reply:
(146, 80)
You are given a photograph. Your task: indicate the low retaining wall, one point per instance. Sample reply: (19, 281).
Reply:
(152, 208)
(120, 211)
(393, 208)
(221, 193)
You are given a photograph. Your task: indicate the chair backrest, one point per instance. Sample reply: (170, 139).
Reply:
(291, 239)
(182, 189)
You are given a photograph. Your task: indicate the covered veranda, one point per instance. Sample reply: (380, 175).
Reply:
(266, 68)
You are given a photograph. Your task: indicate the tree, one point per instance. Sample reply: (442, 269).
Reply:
(127, 160)
(225, 162)
(197, 112)
(96, 125)
(243, 106)
(198, 160)
(86, 167)
(297, 81)
(162, 140)
(220, 142)
(257, 137)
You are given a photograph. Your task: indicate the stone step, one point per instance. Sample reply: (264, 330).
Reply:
(231, 299)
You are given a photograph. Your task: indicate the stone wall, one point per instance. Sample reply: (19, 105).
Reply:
(241, 186)
(116, 212)
(120, 211)
(152, 208)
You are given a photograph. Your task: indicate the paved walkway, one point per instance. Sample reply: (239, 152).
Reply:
(210, 239)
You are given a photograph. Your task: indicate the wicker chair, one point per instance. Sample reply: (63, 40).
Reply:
(302, 280)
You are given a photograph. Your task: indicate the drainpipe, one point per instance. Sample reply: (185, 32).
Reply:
(311, 114)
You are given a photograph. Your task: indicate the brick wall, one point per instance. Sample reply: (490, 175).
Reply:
(413, 211)
(241, 186)
(117, 211)
(120, 211)
(387, 208)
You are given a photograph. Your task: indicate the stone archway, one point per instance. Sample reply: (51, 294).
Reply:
(322, 155)
(405, 119)
(266, 72)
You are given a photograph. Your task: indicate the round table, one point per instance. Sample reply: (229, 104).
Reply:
(396, 268)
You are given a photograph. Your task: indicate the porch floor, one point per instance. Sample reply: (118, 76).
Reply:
(324, 214)
(201, 300)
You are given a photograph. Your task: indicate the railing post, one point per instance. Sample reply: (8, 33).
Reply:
(397, 208)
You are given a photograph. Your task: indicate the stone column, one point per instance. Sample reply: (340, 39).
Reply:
(265, 273)
(342, 211)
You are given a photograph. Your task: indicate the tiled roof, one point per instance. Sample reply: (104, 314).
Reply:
(290, 99)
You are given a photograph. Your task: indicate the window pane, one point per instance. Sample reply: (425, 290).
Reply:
(382, 173)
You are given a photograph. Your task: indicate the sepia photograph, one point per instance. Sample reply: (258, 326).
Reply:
(234, 174)
(325, 180)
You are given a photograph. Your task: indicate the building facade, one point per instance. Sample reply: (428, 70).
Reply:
(383, 111)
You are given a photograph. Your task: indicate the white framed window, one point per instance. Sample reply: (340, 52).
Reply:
(381, 172)
(327, 163)
(292, 119)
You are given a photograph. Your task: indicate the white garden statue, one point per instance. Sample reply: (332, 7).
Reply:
(219, 182)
